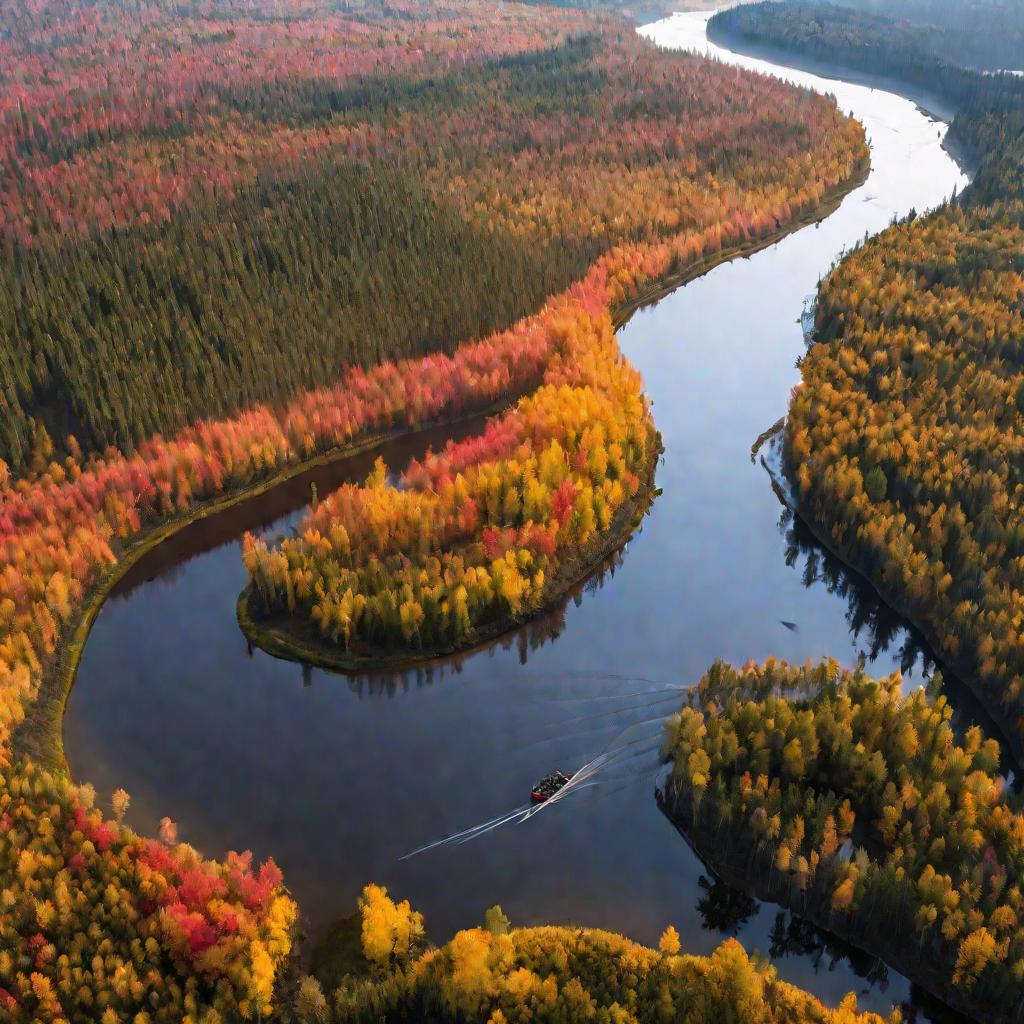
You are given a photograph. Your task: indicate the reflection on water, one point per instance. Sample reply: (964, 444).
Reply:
(872, 622)
(724, 909)
(338, 783)
(539, 631)
(880, 631)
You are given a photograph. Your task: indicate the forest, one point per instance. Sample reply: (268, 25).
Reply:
(241, 238)
(860, 807)
(244, 158)
(134, 229)
(985, 34)
(507, 975)
(101, 924)
(917, 433)
(220, 228)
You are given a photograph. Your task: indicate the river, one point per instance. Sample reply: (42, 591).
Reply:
(337, 778)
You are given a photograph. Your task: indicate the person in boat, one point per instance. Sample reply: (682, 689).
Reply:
(550, 785)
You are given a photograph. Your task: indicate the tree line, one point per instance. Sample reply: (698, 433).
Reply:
(476, 534)
(547, 975)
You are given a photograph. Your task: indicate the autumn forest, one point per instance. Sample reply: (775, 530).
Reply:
(242, 244)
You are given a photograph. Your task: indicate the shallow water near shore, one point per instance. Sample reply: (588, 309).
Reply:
(339, 777)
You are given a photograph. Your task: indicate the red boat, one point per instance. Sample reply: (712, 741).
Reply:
(549, 786)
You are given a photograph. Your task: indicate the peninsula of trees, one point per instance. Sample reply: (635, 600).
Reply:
(484, 534)
(856, 806)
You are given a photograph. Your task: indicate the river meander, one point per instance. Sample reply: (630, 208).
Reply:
(337, 778)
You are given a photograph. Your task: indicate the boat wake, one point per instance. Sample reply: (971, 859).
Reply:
(633, 756)
(519, 814)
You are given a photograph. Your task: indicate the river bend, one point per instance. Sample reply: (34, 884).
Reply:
(337, 777)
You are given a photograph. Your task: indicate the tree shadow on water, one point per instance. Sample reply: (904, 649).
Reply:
(878, 630)
(728, 910)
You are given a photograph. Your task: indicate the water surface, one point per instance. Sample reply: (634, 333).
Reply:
(337, 778)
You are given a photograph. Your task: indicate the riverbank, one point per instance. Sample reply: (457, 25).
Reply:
(930, 103)
(1007, 734)
(39, 736)
(963, 692)
(830, 202)
(991, 702)
(935, 105)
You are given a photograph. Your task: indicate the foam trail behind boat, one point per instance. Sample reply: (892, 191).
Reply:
(642, 739)
(476, 833)
(469, 833)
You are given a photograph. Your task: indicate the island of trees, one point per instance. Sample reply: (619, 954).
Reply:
(240, 237)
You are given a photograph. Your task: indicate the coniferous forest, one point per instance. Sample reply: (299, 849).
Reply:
(246, 244)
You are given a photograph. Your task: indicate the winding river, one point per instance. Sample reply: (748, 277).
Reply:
(337, 778)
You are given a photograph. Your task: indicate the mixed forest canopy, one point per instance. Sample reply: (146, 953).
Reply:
(211, 227)
(236, 237)
(976, 33)
(507, 975)
(835, 794)
(204, 208)
(912, 414)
